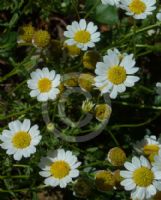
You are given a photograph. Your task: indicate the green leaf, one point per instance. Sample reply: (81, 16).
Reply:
(13, 20)
(106, 14)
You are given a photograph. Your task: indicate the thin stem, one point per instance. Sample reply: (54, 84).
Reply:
(11, 73)
(138, 106)
(136, 125)
(141, 30)
(93, 7)
(113, 137)
(134, 37)
(16, 114)
(24, 189)
(14, 177)
(19, 165)
(97, 163)
(75, 8)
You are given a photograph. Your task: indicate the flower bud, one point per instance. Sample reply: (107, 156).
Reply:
(72, 50)
(102, 112)
(82, 188)
(90, 59)
(104, 180)
(87, 106)
(86, 82)
(116, 156)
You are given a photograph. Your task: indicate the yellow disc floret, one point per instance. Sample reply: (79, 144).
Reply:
(137, 6)
(27, 33)
(82, 36)
(116, 75)
(44, 85)
(59, 169)
(21, 140)
(41, 38)
(143, 177)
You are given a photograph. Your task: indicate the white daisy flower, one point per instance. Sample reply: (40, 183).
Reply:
(43, 84)
(111, 2)
(21, 138)
(139, 9)
(158, 16)
(82, 34)
(115, 73)
(150, 146)
(59, 168)
(158, 88)
(140, 178)
(157, 161)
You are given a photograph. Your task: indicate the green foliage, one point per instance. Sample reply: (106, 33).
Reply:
(106, 15)
(133, 112)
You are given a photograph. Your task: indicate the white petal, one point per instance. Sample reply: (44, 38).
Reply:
(34, 93)
(26, 125)
(82, 24)
(45, 173)
(126, 174)
(136, 162)
(74, 173)
(42, 97)
(18, 155)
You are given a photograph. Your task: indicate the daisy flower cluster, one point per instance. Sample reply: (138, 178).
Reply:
(142, 176)
(139, 9)
(112, 72)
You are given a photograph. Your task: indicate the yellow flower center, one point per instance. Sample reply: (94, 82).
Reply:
(44, 85)
(143, 176)
(82, 36)
(137, 6)
(21, 140)
(116, 75)
(27, 33)
(60, 169)
(41, 38)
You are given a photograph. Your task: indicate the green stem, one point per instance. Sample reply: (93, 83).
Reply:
(19, 165)
(113, 137)
(75, 8)
(138, 106)
(136, 125)
(11, 73)
(97, 163)
(16, 114)
(140, 31)
(14, 177)
(134, 37)
(93, 7)
(24, 189)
